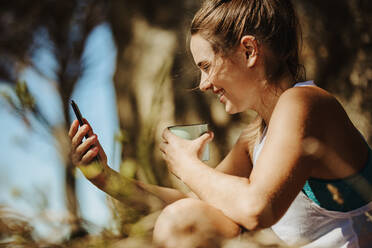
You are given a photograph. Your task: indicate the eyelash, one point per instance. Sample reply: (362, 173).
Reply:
(205, 67)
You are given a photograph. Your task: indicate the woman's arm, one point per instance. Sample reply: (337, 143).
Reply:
(138, 188)
(238, 161)
(129, 191)
(278, 176)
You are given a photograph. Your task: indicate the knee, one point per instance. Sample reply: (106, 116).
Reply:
(176, 217)
(187, 221)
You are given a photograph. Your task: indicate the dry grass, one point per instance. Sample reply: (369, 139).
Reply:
(16, 231)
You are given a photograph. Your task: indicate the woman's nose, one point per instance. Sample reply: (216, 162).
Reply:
(205, 85)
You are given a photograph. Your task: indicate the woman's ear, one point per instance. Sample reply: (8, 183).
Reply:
(249, 45)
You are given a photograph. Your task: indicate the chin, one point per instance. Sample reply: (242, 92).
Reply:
(231, 109)
(230, 112)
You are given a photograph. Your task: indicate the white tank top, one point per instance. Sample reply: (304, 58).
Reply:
(306, 224)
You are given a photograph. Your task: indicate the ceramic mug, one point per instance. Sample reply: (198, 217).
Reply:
(191, 132)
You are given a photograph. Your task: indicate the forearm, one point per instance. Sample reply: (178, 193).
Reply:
(131, 191)
(233, 195)
(243, 170)
(167, 195)
(238, 161)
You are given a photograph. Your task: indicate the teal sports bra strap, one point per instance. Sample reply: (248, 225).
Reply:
(307, 190)
(353, 191)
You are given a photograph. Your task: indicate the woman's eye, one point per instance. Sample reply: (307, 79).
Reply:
(205, 67)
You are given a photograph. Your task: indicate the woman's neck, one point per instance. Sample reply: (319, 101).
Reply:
(270, 95)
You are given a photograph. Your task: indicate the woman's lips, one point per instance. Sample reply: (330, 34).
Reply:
(220, 94)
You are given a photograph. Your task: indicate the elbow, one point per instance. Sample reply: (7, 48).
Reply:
(256, 215)
(251, 223)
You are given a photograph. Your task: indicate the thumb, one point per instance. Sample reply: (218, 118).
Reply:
(205, 138)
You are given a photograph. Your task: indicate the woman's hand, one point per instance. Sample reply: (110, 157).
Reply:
(176, 150)
(83, 153)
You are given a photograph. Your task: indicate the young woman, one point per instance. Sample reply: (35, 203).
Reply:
(305, 170)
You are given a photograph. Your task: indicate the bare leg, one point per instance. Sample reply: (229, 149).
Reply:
(192, 223)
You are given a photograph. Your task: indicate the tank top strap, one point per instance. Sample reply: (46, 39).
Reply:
(306, 83)
(258, 146)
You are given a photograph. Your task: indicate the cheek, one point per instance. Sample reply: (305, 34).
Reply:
(238, 97)
(221, 80)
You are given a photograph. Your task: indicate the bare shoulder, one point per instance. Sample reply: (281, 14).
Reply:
(307, 97)
(311, 112)
(307, 108)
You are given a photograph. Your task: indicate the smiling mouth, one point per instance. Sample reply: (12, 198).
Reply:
(219, 94)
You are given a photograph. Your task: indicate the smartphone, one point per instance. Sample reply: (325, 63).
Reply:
(78, 115)
(80, 119)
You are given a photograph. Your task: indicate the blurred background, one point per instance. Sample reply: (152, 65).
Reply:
(127, 65)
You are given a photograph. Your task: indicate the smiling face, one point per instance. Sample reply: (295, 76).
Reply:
(232, 79)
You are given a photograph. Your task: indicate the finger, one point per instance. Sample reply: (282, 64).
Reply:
(163, 135)
(73, 129)
(90, 155)
(168, 136)
(85, 121)
(101, 152)
(76, 140)
(90, 131)
(84, 147)
(162, 147)
(205, 138)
